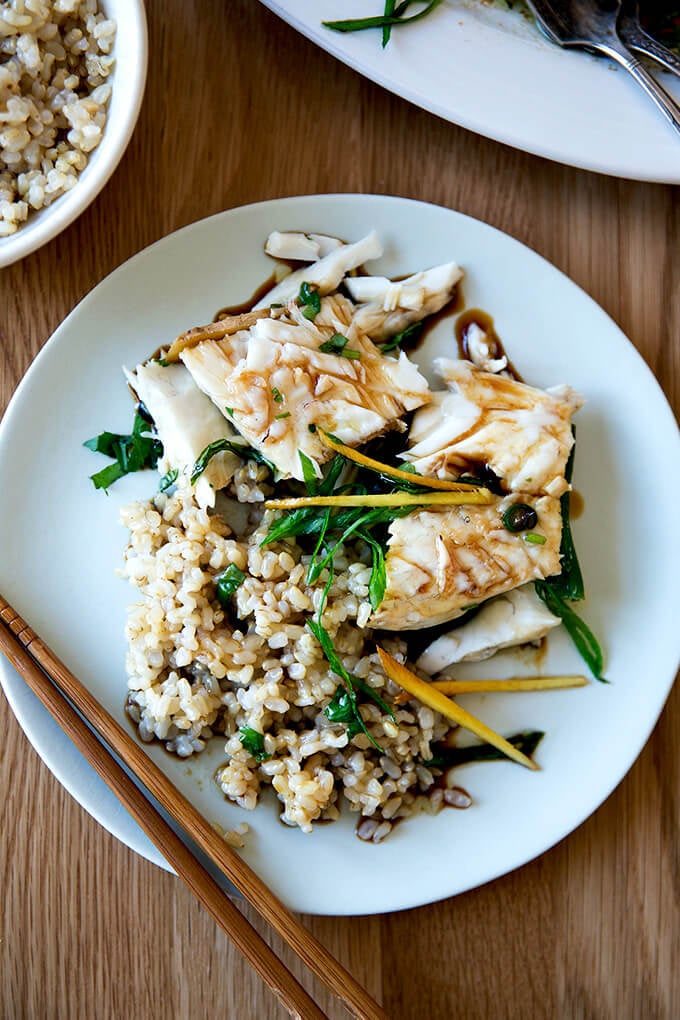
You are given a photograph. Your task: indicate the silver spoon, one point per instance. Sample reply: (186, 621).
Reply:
(635, 38)
(591, 25)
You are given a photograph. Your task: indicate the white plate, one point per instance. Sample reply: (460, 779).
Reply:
(65, 543)
(491, 71)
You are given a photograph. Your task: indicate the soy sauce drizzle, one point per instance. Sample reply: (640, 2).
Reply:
(475, 316)
(249, 304)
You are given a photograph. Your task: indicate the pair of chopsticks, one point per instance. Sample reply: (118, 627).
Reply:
(59, 691)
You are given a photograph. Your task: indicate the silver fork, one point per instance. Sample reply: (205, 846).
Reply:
(591, 25)
(635, 38)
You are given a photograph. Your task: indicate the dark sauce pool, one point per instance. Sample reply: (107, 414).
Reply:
(475, 316)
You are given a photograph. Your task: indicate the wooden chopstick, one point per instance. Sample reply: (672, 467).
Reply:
(291, 994)
(32, 658)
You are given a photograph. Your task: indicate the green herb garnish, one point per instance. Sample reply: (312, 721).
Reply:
(132, 453)
(387, 29)
(344, 706)
(411, 333)
(253, 743)
(168, 480)
(568, 584)
(445, 757)
(584, 640)
(378, 580)
(309, 300)
(277, 395)
(534, 538)
(309, 473)
(280, 417)
(227, 582)
(393, 15)
(338, 345)
(219, 446)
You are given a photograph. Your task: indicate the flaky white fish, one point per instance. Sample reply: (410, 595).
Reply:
(512, 618)
(441, 562)
(328, 273)
(521, 432)
(186, 421)
(387, 307)
(277, 384)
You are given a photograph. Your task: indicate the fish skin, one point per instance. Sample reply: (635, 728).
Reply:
(512, 618)
(521, 432)
(439, 562)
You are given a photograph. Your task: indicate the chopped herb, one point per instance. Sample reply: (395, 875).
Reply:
(410, 334)
(445, 757)
(309, 473)
(387, 28)
(280, 417)
(163, 362)
(568, 584)
(230, 410)
(133, 452)
(227, 582)
(167, 480)
(338, 345)
(378, 580)
(219, 446)
(105, 478)
(534, 538)
(309, 300)
(277, 395)
(584, 640)
(340, 705)
(309, 520)
(312, 563)
(327, 486)
(253, 743)
(396, 16)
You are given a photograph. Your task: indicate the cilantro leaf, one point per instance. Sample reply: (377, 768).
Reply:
(253, 743)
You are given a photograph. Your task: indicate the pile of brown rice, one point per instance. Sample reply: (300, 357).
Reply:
(55, 58)
(196, 670)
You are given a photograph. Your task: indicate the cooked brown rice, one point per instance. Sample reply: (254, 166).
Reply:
(194, 671)
(55, 58)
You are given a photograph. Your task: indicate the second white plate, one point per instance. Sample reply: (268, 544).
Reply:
(491, 71)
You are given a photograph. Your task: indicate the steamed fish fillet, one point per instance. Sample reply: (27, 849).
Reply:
(510, 619)
(387, 307)
(186, 421)
(277, 386)
(440, 562)
(328, 273)
(292, 244)
(521, 432)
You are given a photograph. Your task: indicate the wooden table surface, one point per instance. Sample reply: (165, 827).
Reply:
(240, 108)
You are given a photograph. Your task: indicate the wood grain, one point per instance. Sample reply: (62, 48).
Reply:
(240, 108)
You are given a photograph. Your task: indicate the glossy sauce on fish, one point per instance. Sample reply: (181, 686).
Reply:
(478, 317)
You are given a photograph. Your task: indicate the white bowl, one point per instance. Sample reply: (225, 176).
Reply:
(127, 80)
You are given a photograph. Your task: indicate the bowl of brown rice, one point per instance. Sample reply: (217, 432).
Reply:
(72, 75)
